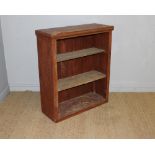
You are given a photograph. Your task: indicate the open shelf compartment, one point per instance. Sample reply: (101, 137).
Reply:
(79, 104)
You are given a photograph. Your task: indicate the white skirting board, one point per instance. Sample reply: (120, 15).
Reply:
(132, 87)
(114, 87)
(24, 87)
(4, 93)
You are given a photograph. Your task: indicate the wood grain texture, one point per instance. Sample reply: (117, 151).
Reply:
(127, 115)
(47, 74)
(80, 79)
(109, 42)
(81, 65)
(72, 31)
(75, 91)
(78, 54)
(75, 43)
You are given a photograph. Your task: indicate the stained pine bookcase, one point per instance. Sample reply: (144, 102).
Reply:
(74, 68)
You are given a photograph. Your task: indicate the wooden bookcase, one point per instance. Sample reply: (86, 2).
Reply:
(74, 68)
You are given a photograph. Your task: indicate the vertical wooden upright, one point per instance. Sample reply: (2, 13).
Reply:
(74, 68)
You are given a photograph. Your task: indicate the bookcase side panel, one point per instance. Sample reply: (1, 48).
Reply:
(103, 41)
(48, 76)
(108, 64)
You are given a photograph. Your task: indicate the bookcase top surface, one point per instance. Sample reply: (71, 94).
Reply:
(77, 30)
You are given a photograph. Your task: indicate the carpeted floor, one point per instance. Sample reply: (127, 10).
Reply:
(127, 115)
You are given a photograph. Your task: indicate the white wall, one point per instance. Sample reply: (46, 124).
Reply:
(133, 50)
(4, 88)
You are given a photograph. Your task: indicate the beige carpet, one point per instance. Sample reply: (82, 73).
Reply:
(127, 115)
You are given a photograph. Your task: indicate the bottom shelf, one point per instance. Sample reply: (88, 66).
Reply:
(79, 104)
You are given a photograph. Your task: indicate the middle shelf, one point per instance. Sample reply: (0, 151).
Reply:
(80, 79)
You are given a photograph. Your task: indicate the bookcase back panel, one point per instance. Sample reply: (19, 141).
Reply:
(102, 41)
(81, 65)
(77, 43)
(74, 92)
(72, 44)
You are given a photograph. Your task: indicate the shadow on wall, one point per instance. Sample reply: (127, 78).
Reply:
(4, 88)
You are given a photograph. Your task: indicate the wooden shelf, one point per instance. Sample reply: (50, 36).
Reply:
(79, 79)
(78, 54)
(80, 103)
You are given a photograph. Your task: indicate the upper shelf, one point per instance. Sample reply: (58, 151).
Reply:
(78, 54)
(80, 79)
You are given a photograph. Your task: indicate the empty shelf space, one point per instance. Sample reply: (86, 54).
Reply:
(80, 103)
(78, 54)
(79, 79)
